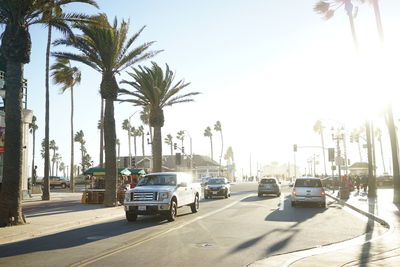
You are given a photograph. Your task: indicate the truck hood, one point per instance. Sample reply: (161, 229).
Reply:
(154, 188)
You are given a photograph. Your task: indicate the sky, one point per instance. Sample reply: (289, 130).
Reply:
(267, 70)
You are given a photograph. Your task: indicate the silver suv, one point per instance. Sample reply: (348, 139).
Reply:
(308, 190)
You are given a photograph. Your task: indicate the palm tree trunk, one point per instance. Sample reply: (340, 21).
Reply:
(110, 196)
(10, 195)
(101, 132)
(395, 154)
(46, 183)
(383, 159)
(72, 179)
(172, 148)
(33, 156)
(143, 145)
(353, 31)
(211, 149)
(134, 145)
(157, 150)
(222, 150)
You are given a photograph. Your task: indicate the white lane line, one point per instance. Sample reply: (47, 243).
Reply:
(282, 203)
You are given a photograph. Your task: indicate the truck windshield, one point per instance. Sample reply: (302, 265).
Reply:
(157, 180)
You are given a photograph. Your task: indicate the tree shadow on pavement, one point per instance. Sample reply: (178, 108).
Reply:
(366, 248)
(78, 237)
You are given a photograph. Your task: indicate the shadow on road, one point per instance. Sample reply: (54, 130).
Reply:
(79, 237)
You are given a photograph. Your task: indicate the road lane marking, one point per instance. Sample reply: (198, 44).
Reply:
(282, 203)
(120, 249)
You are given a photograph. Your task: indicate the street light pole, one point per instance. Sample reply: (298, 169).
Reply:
(191, 151)
(129, 139)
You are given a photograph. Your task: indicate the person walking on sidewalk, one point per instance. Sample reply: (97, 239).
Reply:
(358, 182)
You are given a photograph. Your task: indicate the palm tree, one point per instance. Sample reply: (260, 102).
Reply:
(378, 134)
(80, 138)
(54, 147)
(16, 45)
(62, 168)
(168, 141)
(136, 133)
(181, 136)
(218, 128)
(32, 128)
(128, 128)
(154, 88)
(67, 76)
(328, 8)
(54, 11)
(107, 49)
(319, 128)
(118, 152)
(57, 159)
(208, 133)
(145, 118)
(141, 131)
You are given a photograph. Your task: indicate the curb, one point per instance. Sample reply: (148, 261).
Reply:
(60, 227)
(365, 213)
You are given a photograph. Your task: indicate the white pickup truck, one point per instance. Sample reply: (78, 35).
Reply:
(162, 193)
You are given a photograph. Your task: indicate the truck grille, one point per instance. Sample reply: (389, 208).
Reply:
(144, 196)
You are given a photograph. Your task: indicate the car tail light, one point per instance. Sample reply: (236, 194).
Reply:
(294, 192)
(322, 192)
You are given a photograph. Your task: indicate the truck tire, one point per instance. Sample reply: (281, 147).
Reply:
(130, 216)
(195, 205)
(171, 216)
(63, 186)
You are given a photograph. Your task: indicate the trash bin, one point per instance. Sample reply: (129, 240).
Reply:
(344, 192)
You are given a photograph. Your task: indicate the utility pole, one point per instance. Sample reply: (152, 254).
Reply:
(371, 178)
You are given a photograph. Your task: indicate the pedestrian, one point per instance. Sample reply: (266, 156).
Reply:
(30, 187)
(365, 183)
(358, 182)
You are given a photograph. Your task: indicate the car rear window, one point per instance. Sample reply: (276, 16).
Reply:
(268, 181)
(308, 183)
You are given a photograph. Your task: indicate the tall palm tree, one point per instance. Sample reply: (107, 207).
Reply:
(355, 136)
(80, 138)
(141, 131)
(67, 76)
(128, 128)
(218, 128)
(32, 128)
(118, 144)
(145, 118)
(328, 8)
(62, 168)
(378, 135)
(57, 159)
(208, 133)
(54, 147)
(168, 140)
(153, 87)
(16, 45)
(319, 128)
(181, 136)
(54, 11)
(136, 133)
(107, 49)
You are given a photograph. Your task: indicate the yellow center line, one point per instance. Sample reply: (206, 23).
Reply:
(120, 249)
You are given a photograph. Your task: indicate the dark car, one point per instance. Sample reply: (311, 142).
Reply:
(217, 187)
(269, 186)
(55, 181)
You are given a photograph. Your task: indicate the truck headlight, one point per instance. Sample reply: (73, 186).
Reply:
(163, 195)
(127, 197)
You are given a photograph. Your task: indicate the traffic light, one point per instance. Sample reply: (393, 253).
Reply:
(178, 158)
(294, 148)
(183, 150)
(351, 139)
(175, 146)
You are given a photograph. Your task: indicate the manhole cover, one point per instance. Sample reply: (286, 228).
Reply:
(96, 237)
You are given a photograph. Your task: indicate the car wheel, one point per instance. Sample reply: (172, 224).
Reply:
(195, 205)
(279, 194)
(171, 216)
(63, 186)
(130, 216)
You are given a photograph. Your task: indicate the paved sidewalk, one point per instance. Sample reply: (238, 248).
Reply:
(371, 249)
(63, 212)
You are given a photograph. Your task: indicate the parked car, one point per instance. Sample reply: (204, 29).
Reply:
(162, 193)
(269, 185)
(308, 190)
(55, 181)
(217, 186)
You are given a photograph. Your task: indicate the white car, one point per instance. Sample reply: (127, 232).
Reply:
(308, 190)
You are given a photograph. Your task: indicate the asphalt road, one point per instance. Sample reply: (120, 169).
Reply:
(225, 232)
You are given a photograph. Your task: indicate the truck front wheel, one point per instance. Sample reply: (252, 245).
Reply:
(195, 205)
(131, 216)
(172, 211)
